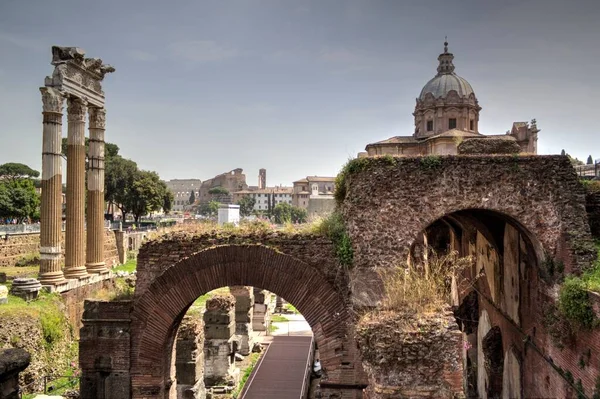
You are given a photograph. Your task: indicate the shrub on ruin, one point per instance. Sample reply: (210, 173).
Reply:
(574, 303)
(334, 228)
(424, 286)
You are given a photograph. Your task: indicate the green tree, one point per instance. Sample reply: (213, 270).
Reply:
(110, 149)
(119, 176)
(19, 200)
(167, 199)
(590, 161)
(147, 194)
(246, 204)
(192, 197)
(209, 209)
(285, 213)
(218, 191)
(15, 171)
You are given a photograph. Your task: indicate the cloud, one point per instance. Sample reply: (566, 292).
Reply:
(202, 51)
(23, 42)
(140, 55)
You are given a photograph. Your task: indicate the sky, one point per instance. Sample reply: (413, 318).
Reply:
(298, 87)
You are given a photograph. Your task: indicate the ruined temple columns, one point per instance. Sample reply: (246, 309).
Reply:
(95, 200)
(51, 207)
(75, 213)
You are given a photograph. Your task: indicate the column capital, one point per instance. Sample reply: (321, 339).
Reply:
(52, 100)
(76, 109)
(97, 117)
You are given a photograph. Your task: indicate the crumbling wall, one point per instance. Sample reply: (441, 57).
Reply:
(407, 355)
(189, 359)
(12, 362)
(488, 146)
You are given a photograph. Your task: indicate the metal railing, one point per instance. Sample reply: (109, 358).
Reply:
(71, 382)
(588, 171)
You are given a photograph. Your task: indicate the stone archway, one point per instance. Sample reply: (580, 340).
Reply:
(157, 312)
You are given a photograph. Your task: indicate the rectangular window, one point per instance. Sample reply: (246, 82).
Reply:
(452, 123)
(471, 124)
(429, 126)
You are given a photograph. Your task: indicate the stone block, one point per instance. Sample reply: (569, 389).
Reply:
(3, 294)
(219, 331)
(2, 277)
(26, 288)
(12, 362)
(218, 318)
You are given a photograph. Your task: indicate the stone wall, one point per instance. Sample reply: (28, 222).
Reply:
(411, 356)
(189, 359)
(592, 205)
(14, 247)
(390, 201)
(104, 350)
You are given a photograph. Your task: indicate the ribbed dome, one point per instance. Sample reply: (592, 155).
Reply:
(442, 84)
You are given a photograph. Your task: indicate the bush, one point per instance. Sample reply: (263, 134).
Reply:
(574, 303)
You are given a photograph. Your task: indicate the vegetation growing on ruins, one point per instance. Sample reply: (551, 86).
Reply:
(253, 360)
(574, 303)
(422, 287)
(430, 162)
(334, 227)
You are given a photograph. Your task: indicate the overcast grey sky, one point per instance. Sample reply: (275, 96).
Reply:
(298, 87)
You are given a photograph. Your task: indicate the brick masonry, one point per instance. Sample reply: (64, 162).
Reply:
(516, 214)
(14, 247)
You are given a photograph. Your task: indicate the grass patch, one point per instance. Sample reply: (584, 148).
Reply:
(422, 287)
(20, 271)
(279, 319)
(247, 371)
(291, 308)
(30, 259)
(128, 266)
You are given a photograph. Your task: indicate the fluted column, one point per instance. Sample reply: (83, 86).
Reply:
(75, 229)
(95, 197)
(51, 207)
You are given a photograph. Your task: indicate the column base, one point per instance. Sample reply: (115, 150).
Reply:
(96, 268)
(77, 272)
(52, 278)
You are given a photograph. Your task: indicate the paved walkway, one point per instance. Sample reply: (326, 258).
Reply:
(282, 370)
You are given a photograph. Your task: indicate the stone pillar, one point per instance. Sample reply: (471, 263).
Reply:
(261, 315)
(189, 359)
(244, 303)
(219, 342)
(94, 262)
(51, 207)
(75, 229)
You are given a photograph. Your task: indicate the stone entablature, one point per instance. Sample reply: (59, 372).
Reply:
(78, 76)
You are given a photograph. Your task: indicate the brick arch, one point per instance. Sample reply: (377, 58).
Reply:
(157, 312)
(473, 217)
(389, 201)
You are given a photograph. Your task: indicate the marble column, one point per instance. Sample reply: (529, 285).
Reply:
(51, 207)
(94, 262)
(75, 228)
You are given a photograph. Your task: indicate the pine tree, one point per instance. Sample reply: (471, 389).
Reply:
(590, 161)
(192, 197)
(563, 153)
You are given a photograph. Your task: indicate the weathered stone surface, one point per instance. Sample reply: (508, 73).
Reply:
(407, 356)
(26, 288)
(12, 362)
(488, 146)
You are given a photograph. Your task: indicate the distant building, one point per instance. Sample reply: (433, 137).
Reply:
(232, 181)
(446, 113)
(281, 194)
(316, 188)
(182, 189)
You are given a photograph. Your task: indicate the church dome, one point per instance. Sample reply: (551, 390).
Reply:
(442, 84)
(446, 80)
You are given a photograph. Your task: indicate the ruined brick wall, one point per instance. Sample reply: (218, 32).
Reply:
(104, 350)
(173, 271)
(158, 255)
(74, 299)
(409, 356)
(592, 205)
(389, 201)
(15, 246)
